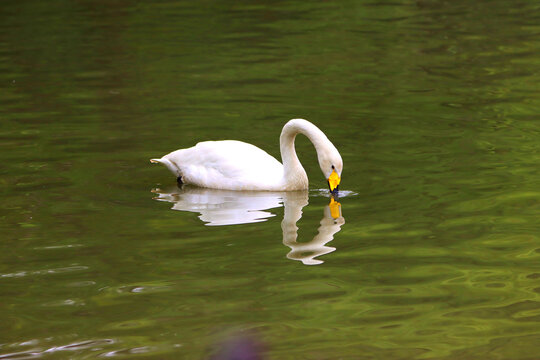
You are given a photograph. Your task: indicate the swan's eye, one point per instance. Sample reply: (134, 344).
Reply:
(333, 167)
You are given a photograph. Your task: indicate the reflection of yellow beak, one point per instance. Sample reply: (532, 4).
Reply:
(335, 208)
(333, 181)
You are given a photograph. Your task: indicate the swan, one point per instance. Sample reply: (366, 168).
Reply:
(236, 165)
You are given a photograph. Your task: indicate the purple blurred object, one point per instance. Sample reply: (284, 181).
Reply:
(239, 348)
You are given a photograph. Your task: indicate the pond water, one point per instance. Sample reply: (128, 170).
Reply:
(432, 252)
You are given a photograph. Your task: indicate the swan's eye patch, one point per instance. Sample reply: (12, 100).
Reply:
(333, 167)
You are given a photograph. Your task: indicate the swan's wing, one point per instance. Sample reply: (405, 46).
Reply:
(227, 164)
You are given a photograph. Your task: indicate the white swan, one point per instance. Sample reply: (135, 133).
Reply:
(236, 165)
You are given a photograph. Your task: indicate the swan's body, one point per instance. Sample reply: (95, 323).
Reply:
(236, 165)
(226, 164)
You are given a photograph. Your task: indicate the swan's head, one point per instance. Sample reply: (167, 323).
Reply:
(331, 165)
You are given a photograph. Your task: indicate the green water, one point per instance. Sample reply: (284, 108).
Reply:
(433, 105)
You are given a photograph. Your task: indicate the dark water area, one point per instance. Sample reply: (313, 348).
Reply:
(434, 253)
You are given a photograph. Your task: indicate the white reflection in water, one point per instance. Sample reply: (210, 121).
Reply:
(224, 207)
(331, 223)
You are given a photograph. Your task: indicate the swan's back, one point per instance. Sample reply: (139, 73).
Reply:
(227, 164)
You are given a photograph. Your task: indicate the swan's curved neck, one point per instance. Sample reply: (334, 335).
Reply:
(294, 173)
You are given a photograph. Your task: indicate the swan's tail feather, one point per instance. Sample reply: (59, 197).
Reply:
(171, 166)
(164, 161)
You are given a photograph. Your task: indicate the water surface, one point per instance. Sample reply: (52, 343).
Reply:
(433, 105)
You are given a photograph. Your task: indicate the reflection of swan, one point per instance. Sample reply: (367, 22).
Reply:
(223, 207)
(330, 224)
(236, 165)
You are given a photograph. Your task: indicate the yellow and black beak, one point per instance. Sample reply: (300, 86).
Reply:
(333, 182)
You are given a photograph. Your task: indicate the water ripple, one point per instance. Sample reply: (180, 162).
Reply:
(36, 353)
(24, 273)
